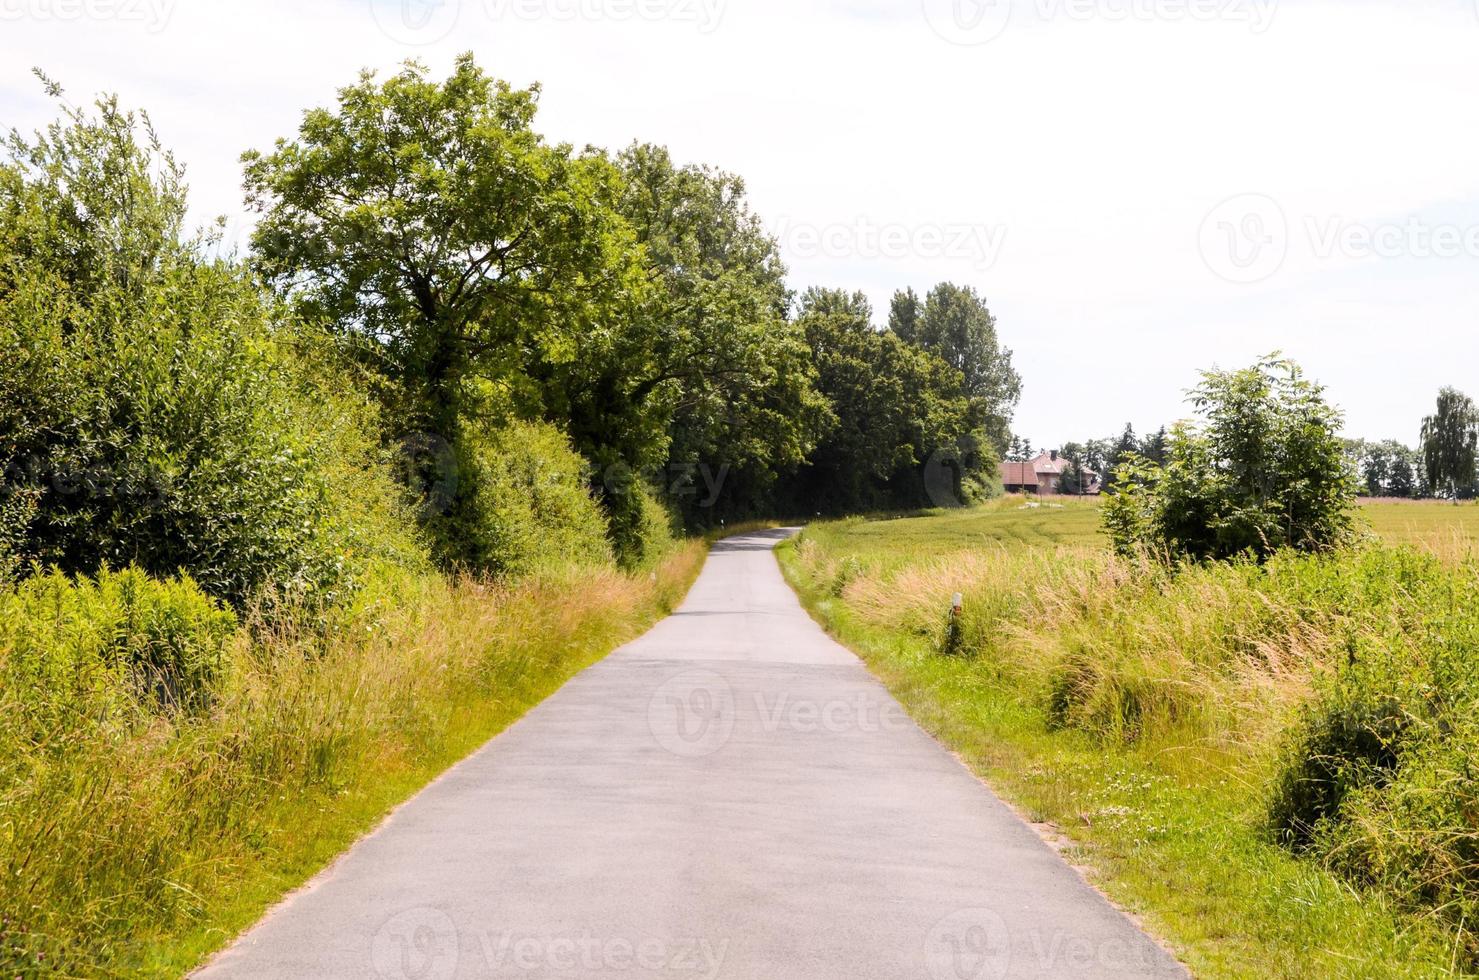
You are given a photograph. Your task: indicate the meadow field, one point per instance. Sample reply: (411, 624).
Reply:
(1268, 764)
(1074, 522)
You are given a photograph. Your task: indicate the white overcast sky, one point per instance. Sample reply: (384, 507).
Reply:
(1141, 188)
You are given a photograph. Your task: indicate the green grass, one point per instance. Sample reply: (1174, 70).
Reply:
(139, 850)
(1017, 522)
(1172, 823)
(1010, 521)
(1433, 524)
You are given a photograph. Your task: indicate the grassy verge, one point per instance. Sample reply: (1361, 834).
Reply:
(140, 847)
(1152, 760)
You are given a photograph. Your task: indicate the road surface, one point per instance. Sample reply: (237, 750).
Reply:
(730, 797)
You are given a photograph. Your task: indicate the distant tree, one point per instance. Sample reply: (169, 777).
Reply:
(956, 325)
(1263, 469)
(1450, 438)
(1376, 469)
(1154, 447)
(903, 315)
(1404, 479)
(1074, 479)
(897, 408)
(1386, 468)
(1096, 456)
(1120, 450)
(1020, 450)
(1355, 452)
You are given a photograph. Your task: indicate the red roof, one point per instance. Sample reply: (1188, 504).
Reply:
(1033, 472)
(1018, 475)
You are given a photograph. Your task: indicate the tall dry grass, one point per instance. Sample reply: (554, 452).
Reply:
(127, 837)
(1343, 688)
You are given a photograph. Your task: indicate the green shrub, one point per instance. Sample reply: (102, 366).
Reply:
(1415, 834)
(1377, 779)
(1346, 745)
(70, 646)
(521, 504)
(155, 408)
(647, 532)
(1264, 470)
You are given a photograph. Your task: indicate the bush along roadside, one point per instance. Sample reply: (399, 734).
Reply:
(141, 831)
(1231, 746)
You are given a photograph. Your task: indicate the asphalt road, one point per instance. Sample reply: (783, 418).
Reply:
(731, 796)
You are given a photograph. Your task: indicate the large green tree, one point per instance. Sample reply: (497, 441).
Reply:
(1450, 438)
(709, 356)
(430, 224)
(956, 325)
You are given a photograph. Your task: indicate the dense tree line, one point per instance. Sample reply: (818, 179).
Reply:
(532, 340)
(1387, 468)
(637, 304)
(1445, 464)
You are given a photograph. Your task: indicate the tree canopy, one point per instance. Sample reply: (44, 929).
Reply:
(428, 222)
(955, 324)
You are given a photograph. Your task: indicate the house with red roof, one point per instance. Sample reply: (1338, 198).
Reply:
(1042, 476)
